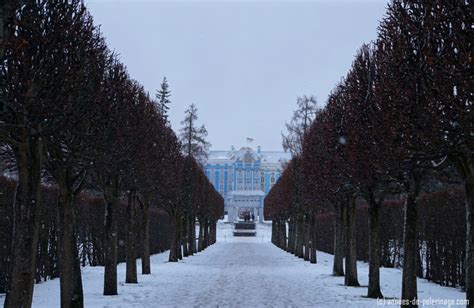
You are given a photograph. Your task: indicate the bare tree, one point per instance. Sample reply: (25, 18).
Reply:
(193, 138)
(299, 124)
(71, 111)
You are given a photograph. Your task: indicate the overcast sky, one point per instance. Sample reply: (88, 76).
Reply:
(242, 63)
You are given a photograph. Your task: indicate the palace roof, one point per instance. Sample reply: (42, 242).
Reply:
(247, 153)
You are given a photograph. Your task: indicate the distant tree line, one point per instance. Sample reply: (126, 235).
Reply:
(73, 126)
(400, 123)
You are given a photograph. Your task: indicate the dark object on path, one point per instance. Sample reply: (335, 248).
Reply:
(245, 229)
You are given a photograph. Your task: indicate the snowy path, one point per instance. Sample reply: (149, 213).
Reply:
(238, 272)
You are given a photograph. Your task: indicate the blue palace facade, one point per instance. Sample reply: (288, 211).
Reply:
(244, 177)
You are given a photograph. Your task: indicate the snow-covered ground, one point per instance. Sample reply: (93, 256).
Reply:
(239, 272)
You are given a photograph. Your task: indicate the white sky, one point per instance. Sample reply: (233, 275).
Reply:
(243, 63)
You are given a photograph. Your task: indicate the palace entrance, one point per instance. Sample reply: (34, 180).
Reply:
(249, 201)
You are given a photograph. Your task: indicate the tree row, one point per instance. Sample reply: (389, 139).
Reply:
(72, 117)
(399, 123)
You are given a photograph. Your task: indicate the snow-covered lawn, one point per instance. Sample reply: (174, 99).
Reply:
(238, 272)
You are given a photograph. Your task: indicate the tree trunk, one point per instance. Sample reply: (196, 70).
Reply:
(215, 232)
(350, 277)
(206, 234)
(131, 237)
(296, 234)
(463, 162)
(214, 236)
(299, 237)
(419, 269)
(338, 269)
(274, 232)
(179, 238)
(185, 233)
(189, 223)
(307, 234)
(282, 234)
(146, 269)
(278, 233)
(374, 248)
(313, 258)
(469, 185)
(291, 245)
(193, 234)
(212, 233)
(410, 248)
(291, 236)
(69, 264)
(27, 208)
(174, 239)
(201, 235)
(110, 273)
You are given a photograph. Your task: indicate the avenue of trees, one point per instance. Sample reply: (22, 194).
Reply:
(397, 126)
(88, 147)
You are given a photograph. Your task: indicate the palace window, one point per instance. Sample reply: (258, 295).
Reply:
(256, 183)
(247, 184)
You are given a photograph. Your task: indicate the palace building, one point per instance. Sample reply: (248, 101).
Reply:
(244, 177)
